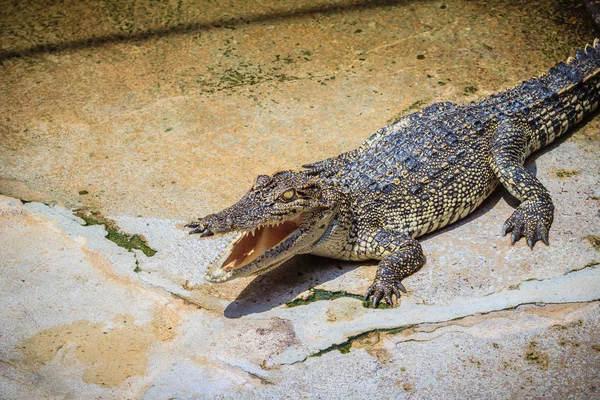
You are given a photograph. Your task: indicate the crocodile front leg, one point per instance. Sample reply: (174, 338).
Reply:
(400, 257)
(534, 216)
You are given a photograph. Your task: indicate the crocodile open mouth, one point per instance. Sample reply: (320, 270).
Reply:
(254, 243)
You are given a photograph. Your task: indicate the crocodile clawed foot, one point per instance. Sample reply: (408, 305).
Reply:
(199, 228)
(532, 220)
(384, 290)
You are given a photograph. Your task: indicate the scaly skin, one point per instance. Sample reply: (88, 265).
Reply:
(418, 174)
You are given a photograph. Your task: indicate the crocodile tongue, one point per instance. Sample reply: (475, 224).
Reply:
(251, 245)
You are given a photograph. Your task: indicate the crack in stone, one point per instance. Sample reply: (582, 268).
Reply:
(344, 347)
(185, 300)
(262, 379)
(442, 324)
(592, 264)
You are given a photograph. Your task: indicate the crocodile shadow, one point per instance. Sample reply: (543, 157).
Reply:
(286, 282)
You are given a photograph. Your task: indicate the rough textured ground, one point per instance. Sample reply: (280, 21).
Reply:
(129, 118)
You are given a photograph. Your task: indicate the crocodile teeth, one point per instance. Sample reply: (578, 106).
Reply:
(254, 242)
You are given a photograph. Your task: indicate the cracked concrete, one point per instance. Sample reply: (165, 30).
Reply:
(160, 112)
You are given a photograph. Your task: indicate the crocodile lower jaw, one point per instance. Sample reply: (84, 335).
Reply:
(251, 244)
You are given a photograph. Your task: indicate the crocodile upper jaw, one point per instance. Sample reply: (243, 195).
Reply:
(265, 247)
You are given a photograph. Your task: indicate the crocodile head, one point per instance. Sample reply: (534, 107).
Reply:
(280, 216)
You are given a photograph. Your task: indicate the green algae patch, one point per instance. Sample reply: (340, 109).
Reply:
(567, 173)
(322, 294)
(469, 90)
(517, 286)
(594, 241)
(344, 349)
(114, 234)
(380, 306)
(536, 357)
(345, 346)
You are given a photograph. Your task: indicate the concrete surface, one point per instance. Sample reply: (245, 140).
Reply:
(125, 119)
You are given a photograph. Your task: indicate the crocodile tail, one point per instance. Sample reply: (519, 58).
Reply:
(580, 69)
(573, 92)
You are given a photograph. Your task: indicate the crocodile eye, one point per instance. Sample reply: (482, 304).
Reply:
(288, 195)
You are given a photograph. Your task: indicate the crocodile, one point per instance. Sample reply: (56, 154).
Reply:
(416, 175)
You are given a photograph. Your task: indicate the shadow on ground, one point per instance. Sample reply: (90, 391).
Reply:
(283, 284)
(187, 28)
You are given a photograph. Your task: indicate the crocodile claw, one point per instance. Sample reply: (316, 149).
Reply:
(384, 290)
(199, 228)
(401, 287)
(532, 220)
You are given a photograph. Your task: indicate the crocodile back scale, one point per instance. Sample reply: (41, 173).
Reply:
(418, 174)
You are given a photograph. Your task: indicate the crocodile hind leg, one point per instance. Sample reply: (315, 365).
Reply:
(533, 218)
(400, 257)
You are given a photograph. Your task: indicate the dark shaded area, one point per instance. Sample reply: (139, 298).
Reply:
(283, 284)
(183, 29)
(593, 8)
